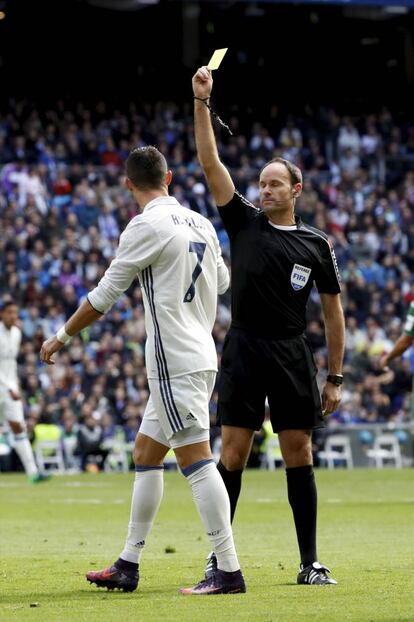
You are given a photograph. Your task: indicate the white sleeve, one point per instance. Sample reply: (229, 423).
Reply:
(19, 338)
(138, 248)
(223, 277)
(6, 382)
(223, 280)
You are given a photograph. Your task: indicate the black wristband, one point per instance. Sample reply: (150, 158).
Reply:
(336, 379)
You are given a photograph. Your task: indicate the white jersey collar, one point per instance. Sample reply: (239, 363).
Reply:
(162, 200)
(283, 227)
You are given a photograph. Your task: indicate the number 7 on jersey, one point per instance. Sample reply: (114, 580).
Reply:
(198, 248)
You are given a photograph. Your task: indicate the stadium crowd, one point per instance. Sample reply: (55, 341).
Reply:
(63, 205)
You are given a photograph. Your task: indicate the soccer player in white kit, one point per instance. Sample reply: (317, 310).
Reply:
(11, 406)
(176, 255)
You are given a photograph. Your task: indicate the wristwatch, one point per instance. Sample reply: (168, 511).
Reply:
(336, 379)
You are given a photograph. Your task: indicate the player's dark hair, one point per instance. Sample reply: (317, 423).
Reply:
(294, 171)
(7, 304)
(146, 168)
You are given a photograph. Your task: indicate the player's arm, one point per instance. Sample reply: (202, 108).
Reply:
(116, 280)
(335, 339)
(401, 345)
(218, 178)
(83, 317)
(223, 276)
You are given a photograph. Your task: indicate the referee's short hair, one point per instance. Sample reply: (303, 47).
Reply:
(146, 168)
(294, 171)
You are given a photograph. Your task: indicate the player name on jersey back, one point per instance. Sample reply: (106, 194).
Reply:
(190, 221)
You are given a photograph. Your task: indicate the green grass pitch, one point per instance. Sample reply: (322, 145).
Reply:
(50, 534)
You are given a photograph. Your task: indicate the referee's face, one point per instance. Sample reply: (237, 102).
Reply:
(275, 187)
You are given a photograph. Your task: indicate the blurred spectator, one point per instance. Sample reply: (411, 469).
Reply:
(90, 447)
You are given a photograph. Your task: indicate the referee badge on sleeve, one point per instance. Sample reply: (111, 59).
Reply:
(299, 276)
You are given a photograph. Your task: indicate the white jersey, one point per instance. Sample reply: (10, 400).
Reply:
(177, 257)
(10, 340)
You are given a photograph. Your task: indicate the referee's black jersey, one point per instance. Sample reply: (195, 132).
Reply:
(273, 270)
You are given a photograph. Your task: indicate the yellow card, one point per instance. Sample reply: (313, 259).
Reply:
(216, 59)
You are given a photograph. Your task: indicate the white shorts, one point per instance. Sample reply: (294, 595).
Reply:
(10, 410)
(177, 411)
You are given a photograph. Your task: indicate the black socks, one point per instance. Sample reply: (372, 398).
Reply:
(232, 482)
(302, 497)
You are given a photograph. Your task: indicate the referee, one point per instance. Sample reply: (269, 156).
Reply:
(275, 260)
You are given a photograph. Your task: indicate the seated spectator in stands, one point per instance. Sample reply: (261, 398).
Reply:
(70, 429)
(89, 447)
(131, 428)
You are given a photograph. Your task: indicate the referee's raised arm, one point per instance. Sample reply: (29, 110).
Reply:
(218, 177)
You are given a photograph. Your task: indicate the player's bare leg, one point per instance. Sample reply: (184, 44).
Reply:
(24, 450)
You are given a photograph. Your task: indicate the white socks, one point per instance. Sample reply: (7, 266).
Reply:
(146, 499)
(212, 501)
(24, 450)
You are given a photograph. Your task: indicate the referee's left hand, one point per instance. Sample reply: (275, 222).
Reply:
(202, 83)
(49, 348)
(331, 398)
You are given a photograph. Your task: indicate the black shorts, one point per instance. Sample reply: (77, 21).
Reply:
(283, 370)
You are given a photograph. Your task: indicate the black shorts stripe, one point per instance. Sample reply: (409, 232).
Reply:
(163, 390)
(157, 355)
(164, 378)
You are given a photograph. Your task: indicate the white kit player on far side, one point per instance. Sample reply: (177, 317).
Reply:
(176, 255)
(11, 406)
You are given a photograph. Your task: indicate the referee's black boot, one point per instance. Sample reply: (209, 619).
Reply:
(315, 574)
